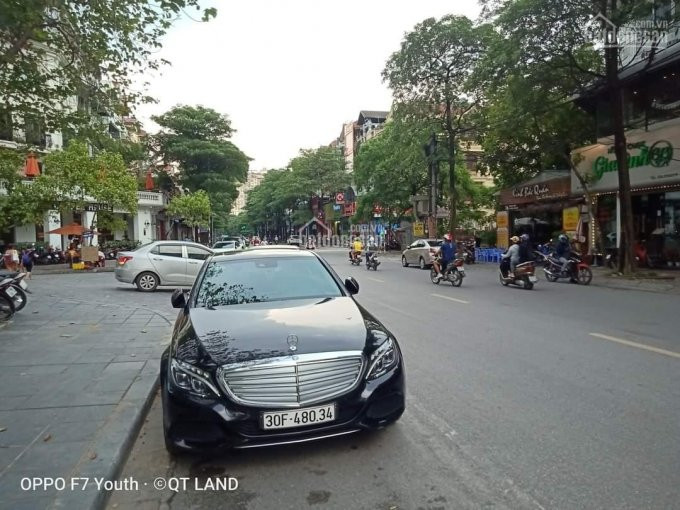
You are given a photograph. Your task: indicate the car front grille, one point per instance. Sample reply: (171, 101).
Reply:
(292, 381)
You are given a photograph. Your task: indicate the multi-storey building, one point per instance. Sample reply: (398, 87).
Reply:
(254, 179)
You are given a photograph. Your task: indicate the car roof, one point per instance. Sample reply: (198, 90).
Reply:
(263, 252)
(170, 241)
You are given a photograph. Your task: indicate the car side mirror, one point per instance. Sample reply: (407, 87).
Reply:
(352, 285)
(178, 298)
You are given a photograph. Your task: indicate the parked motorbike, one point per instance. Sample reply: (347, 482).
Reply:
(372, 261)
(7, 293)
(524, 275)
(577, 270)
(454, 273)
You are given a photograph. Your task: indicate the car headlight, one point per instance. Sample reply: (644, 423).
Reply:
(383, 359)
(192, 379)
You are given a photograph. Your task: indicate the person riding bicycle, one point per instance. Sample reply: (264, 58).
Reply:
(563, 251)
(446, 252)
(356, 248)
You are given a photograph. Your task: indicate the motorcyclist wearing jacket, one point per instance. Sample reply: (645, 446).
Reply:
(512, 254)
(447, 251)
(524, 249)
(563, 251)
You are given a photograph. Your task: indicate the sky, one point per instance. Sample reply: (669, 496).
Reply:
(287, 73)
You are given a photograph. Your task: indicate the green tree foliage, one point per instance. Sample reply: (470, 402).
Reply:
(319, 172)
(71, 179)
(193, 209)
(198, 139)
(53, 51)
(392, 167)
(431, 74)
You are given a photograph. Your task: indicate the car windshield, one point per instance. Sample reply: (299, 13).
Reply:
(265, 279)
(225, 244)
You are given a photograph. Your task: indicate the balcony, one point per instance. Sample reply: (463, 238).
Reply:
(151, 199)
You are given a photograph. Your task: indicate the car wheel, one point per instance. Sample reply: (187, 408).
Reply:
(147, 282)
(421, 263)
(403, 261)
(170, 446)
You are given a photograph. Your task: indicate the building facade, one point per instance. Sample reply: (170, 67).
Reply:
(253, 180)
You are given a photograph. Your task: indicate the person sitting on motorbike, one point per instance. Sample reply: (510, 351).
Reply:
(563, 251)
(524, 249)
(512, 254)
(356, 248)
(446, 252)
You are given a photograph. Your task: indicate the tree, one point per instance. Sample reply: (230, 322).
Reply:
(193, 209)
(543, 34)
(431, 72)
(52, 52)
(198, 139)
(320, 172)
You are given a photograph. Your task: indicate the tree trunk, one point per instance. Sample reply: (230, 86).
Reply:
(626, 256)
(451, 134)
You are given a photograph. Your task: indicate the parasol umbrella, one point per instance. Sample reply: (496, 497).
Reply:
(69, 230)
(31, 169)
(149, 181)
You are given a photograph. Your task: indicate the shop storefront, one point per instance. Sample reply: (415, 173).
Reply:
(654, 168)
(541, 207)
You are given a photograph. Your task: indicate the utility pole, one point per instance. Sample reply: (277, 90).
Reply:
(433, 172)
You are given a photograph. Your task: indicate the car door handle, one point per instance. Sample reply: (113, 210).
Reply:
(157, 258)
(190, 262)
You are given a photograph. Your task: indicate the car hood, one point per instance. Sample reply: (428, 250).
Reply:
(254, 331)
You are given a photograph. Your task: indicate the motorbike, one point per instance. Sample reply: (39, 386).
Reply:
(355, 261)
(468, 253)
(372, 261)
(577, 270)
(454, 273)
(16, 289)
(7, 293)
(524, 275)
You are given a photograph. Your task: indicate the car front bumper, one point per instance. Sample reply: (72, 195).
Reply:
(196, 424)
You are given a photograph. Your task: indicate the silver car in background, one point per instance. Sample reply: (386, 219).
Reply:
(420, 252)
(161, 263)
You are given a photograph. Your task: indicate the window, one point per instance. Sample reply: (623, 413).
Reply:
(263, 279)
(197, 253)
(168, 250)
(34, 132)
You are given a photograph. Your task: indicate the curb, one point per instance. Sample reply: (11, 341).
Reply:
(73, 271)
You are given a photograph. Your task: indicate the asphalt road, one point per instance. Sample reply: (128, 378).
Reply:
(560, 397)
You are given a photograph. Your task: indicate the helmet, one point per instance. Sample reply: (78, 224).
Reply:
(447, 237)
(514, 239)
(563, 238)
(524, 237)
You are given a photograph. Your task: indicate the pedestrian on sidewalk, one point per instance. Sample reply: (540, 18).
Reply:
(11, 258)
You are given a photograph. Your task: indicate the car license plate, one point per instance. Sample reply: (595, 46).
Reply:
(10, 292)
(533, 279)
(22, 284)
(298, 417)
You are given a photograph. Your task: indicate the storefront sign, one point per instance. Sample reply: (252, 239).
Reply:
(350, 209)
(502, 219)
(98, 207)
(653, 159)
(418, 229)
(570, 218)
(339, 198)
(502, 239)
(535, 190)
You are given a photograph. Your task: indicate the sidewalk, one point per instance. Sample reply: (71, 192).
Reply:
(662, 281)
(77, 377)
(109, 267)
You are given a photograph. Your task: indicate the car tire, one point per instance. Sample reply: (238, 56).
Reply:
(170, 446)
(421, 263)
(403, 261)
(146, 281)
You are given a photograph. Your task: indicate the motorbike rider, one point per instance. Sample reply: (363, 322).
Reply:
(447, 252)
(512, 255)
(356, 248)
(524, 248)
(563, 251)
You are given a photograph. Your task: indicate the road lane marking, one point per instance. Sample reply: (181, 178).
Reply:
(375, 279)
(397, 310)
(452, 299)
(644, 347)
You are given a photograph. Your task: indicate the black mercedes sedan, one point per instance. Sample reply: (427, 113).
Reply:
(270, 348)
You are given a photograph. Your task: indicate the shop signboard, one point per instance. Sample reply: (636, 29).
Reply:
(653, 160)
(418, 229)
(502, 219)
(528, 193)
(502, 238)
(570, 219)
